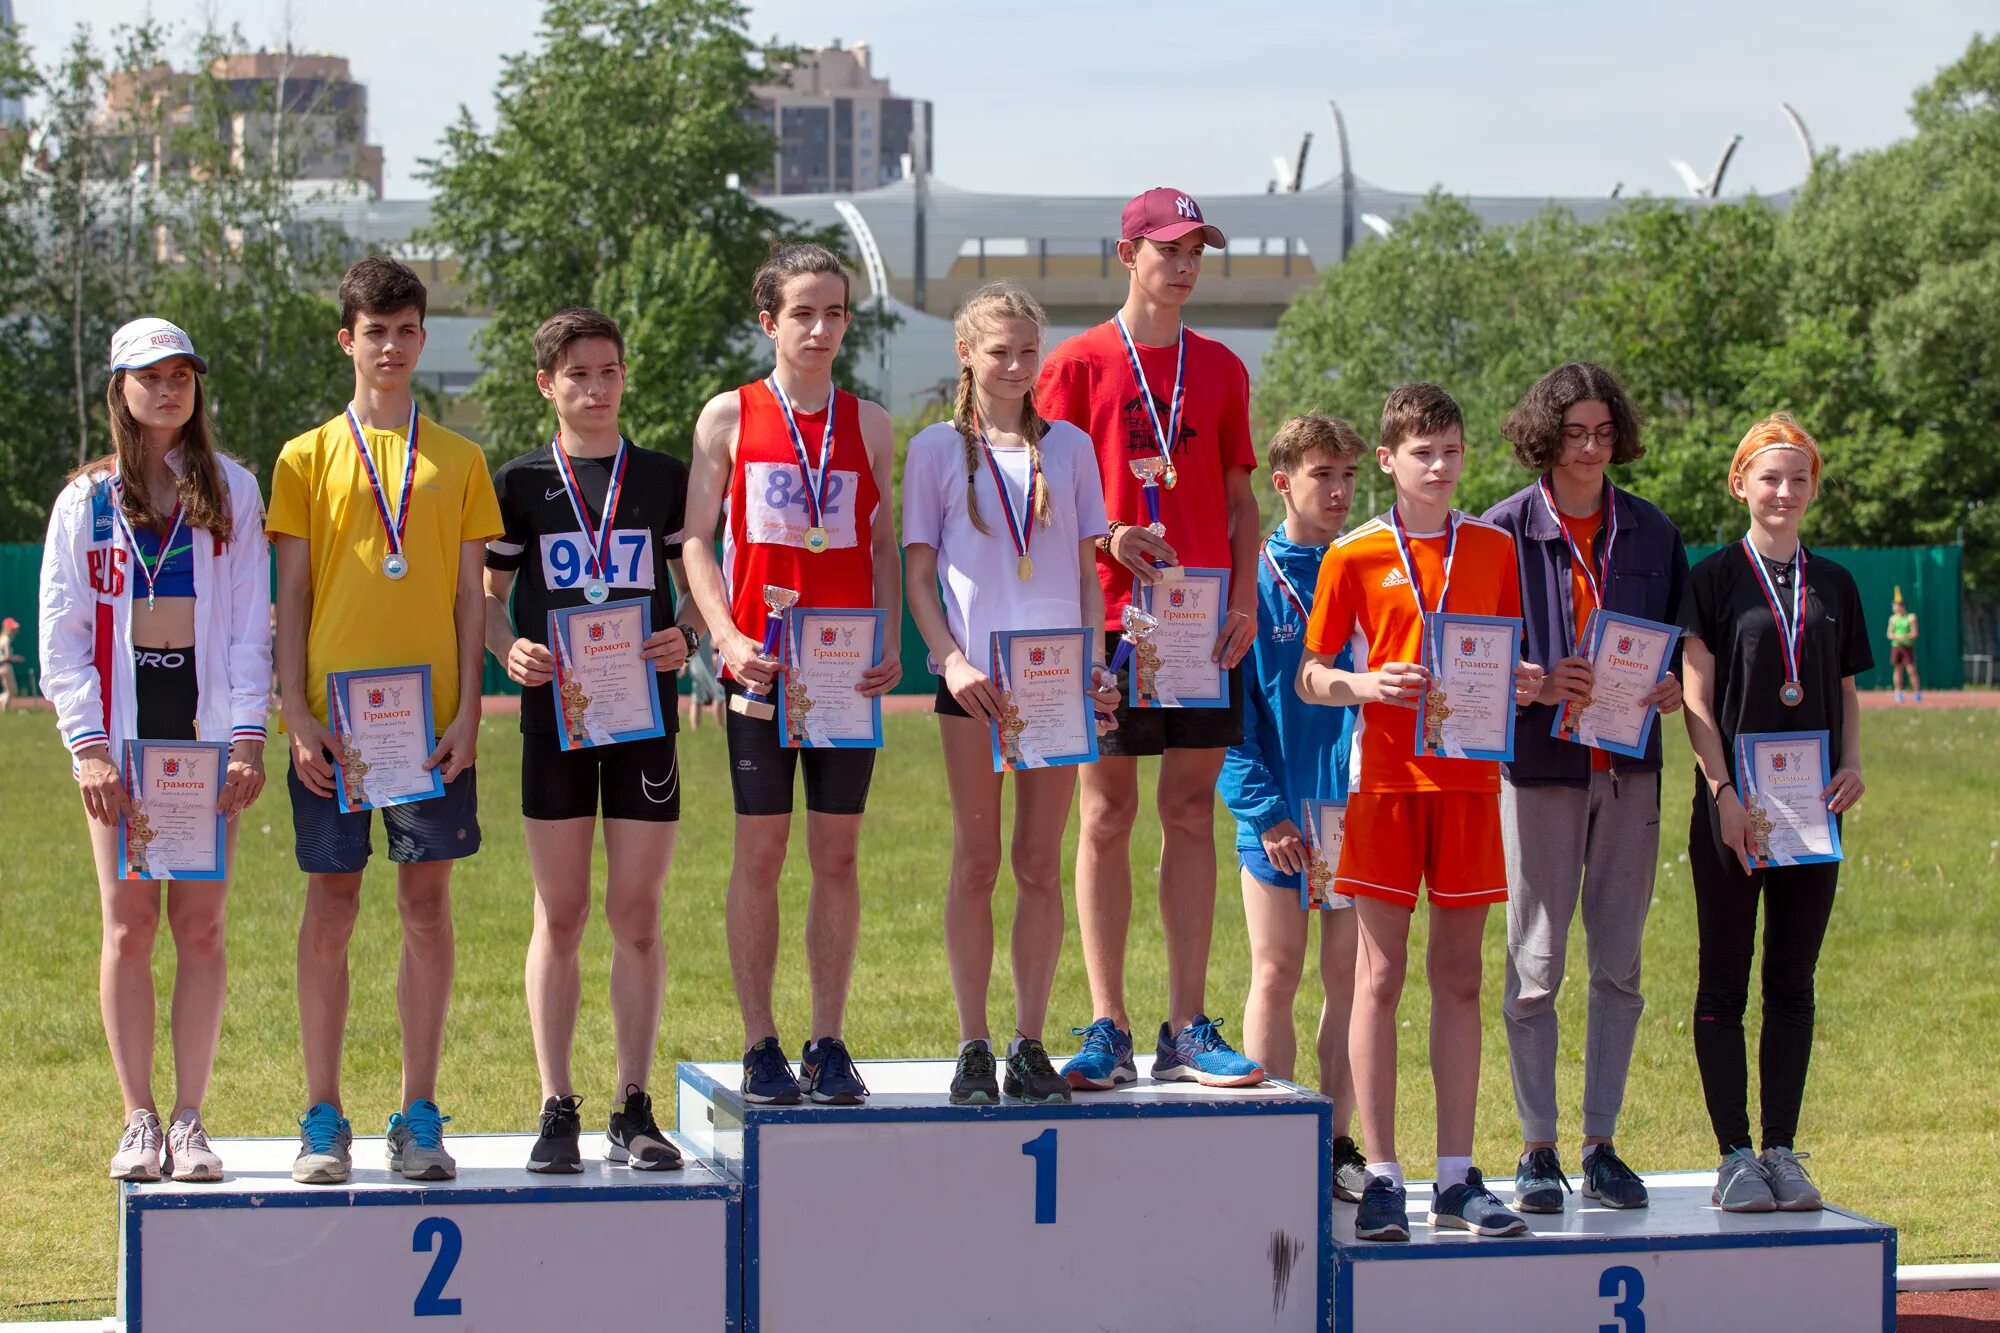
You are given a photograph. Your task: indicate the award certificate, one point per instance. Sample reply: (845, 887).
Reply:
(605, 691)
(1468, 713)
(1325, 824)
(173, 830)
(1044, 677)
(382, 734)
(1781, 775)
(1628, 657)
(821, 704)
(1176, 667)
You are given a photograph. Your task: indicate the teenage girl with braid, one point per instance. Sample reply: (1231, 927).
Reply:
(1000, 511)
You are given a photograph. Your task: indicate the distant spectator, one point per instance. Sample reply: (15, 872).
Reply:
(8, 687)
(1903, 648)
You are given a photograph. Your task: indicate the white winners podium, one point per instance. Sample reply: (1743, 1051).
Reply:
(1155, 1206)
(497, 1248)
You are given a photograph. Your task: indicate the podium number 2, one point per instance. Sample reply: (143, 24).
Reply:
(441, 1234)
(1629, 1285)
(1043, 1149)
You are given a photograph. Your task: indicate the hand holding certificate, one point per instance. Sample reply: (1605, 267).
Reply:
(1044, 677)
(1468, 708)
(1175, 666)
(382, 737)
(1325, 825)
(1783, 776)
(606, 692)
(1628, 658)
(827, 651)
(174, 828)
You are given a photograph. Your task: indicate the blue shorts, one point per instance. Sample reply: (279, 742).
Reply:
(1259, 865)
(332, 841)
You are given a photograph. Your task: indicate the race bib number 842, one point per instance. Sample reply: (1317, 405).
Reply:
(777, 512)
(629, 564)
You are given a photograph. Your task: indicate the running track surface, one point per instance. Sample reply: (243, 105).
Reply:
(1948, 1311)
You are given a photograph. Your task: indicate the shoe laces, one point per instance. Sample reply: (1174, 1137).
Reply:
(1100, 1038)
(638, 1112)
(193, 1137)
(1545, 1164)
(1203, 1034)
(139, 1133)
(321, 1126)
(976, 1062)
(1380, 1189)
(1346, 1153)
(768, 1062)
(426, 1126)
(555, 1122)
(1036, 1057)
(1606, 1164)
(835, 1061)
(1785, 1165)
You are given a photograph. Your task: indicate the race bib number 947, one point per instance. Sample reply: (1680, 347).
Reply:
(776, 511)
(629, 564)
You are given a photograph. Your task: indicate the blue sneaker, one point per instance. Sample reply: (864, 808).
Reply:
(1608, 1180)
(827, 1074)
(1198, 1052)
(326, 1144)
(1105, 1060)
(1539, 1182)
(1383, 1214)
(416, 1143)
(1472, 1207)
(767, 1075)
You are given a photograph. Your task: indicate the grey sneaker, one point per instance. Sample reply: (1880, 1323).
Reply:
(1350, 1170)
(416, 1143)
(138, 1155)
(326, 1147)
(1742, 1185)
(188, 1150)
(1790, 1185)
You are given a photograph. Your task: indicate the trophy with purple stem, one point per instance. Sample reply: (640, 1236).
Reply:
(754, 702)
(1150, 471)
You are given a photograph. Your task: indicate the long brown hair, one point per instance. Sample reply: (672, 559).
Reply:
(991, 303)
(204, 500)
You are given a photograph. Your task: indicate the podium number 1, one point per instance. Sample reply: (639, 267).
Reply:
(1043, 1149)
(441, 1234)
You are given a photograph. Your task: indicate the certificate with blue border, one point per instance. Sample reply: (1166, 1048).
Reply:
(1628, 657)
(826, 650)
(173, 829)
(1044, 677)
(1324, 824)
(1182, 671)
(1472, 660)
(605, 692)
(382, 735)
(1781, 776)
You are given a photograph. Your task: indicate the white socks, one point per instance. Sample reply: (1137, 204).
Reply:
(1452, 1171)
(1389, 1169)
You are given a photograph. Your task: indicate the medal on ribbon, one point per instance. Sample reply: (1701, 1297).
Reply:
(815, 480)
(1436, 706)
(1792, 634)
(395, 564)
(1021, 524)
(1596, 577)
(598, 588)
(1168, 435)
(151, 573)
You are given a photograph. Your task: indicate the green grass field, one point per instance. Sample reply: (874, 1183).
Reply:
(1900, 1112)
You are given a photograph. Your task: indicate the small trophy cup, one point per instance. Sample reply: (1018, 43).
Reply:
(1011, 727)
(1138, 636)
(354, 768)
(757, 702)
(1319, 881)
(1150, 471)
(1436, 710)
(138, 832)
(797, 704)
(1760, 832)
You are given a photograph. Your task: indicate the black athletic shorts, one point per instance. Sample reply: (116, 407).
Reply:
(1151, 731)
(761, 770)
(946, 706)
(164, 688)
(636, 779)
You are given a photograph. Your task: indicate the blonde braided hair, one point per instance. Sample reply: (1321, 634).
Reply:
(984, 308)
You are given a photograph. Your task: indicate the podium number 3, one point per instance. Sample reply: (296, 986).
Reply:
(1043, 1149)
(441, 1234)
(1629, 1286)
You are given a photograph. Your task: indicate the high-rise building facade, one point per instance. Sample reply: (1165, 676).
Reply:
(11, 111)
(839, 128)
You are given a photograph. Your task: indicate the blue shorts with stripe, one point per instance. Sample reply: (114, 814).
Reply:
(332, 841)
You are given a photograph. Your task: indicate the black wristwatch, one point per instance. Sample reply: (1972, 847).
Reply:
(688, 633)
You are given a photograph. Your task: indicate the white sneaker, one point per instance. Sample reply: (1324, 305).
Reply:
(188, 1153)
(138, 1155)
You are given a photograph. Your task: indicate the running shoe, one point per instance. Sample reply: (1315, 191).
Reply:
(138, 1155)
(828, 1076)
(1470, 1206)
(1539, 1182)
(1350, 1170)
(188, 1154)
(1105, 1060)
(326, 1147)
(636, 1138)
(1030, 1076)
(1384, 1212)
(1742, 1185)
(972, 1082)
(1198, 1052)
(1791, 1188)
(556, 1151)
(767, 1075)
(1608, 1180)
(416, 1143)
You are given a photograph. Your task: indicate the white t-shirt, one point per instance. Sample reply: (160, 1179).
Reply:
(976, 571)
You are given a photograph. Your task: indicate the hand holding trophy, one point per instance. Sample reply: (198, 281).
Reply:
(756, 702)
(1151, 471)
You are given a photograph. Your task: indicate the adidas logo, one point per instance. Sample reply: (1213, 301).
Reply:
(1395, 578)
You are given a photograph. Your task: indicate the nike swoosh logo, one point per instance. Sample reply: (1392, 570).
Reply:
(555, 494)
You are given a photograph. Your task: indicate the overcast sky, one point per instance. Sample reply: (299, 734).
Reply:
(1545, 97)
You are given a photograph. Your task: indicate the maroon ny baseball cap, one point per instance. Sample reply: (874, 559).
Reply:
(1162, 214)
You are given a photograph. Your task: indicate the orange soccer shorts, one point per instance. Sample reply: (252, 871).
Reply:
(1448, 841)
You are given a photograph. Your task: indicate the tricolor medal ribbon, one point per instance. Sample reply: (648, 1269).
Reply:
(1167, 436)
(1020, 525)
(1792, 635)
(395, 564)
(599, 587)
(815, 481)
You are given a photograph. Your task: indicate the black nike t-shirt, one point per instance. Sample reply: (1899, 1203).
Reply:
(1726, 609)
(543, 546)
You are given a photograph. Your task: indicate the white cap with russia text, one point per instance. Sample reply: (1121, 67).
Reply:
(144, 341)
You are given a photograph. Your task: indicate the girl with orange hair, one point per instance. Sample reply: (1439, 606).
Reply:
(1774, 640)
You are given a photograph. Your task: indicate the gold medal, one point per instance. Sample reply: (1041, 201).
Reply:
(1024, 568)
(816, 539)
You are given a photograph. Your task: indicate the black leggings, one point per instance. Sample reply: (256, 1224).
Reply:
(1798, 900)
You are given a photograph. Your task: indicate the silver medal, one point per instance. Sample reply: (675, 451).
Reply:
(596, 591)
(395, 566)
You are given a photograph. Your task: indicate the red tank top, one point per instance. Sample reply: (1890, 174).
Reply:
(765, 542)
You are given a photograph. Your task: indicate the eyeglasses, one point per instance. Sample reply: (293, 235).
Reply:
(1605, 434)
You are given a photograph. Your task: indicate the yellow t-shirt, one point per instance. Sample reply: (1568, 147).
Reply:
(361, 618)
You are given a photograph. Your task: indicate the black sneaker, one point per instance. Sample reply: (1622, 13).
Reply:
(555, 1152)
(828, 1076)
(1030, 1076)
(972, 1082)
(1539, 1182)
(1350, 1170)
(1608, 1180)
(635, 1137)
(767, 1075)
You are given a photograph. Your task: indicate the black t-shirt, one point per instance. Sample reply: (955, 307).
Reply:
(550, 555)
(1726, 609)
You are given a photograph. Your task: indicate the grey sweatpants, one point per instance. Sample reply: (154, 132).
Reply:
(1565, 843)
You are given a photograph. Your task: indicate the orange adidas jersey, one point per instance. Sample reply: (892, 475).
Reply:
(1364, 599)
